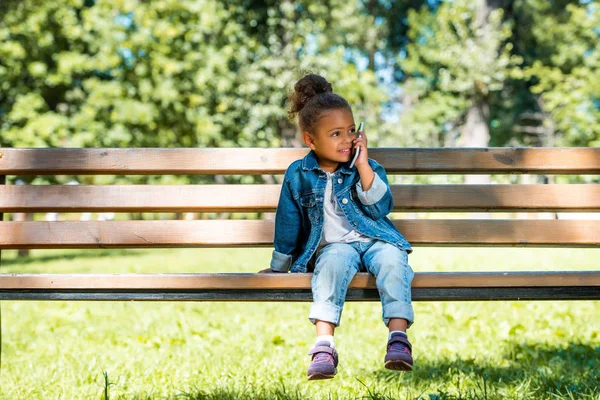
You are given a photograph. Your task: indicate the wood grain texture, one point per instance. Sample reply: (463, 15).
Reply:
(236, 233)
(143, 161)
(289, 281)
(260, 198)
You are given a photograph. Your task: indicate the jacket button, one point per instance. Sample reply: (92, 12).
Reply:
(340, 180)
(355, 223)
(378, 235)
(345, 201)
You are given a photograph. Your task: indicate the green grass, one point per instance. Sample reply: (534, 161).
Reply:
(192, 351)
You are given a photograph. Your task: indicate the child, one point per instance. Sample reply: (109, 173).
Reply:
(332, 219)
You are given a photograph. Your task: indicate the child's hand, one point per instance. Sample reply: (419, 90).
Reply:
(269, 271)
(363, 157)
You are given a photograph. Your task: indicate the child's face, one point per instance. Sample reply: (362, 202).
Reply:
(332, 141)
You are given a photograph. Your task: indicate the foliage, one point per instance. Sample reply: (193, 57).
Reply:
(452, 62)
(183, 73)
(567, 78)
(169, 73)
(536, 58)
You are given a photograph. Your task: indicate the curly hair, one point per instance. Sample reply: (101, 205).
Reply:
(313, 96)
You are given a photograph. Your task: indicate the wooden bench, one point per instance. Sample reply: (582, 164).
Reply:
(264, 197)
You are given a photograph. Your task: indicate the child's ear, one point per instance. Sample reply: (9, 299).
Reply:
(308, 139)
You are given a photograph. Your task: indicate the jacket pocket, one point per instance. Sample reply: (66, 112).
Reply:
(309, 206)
(308, 201)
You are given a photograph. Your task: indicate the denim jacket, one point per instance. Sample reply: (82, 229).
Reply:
(299, 216)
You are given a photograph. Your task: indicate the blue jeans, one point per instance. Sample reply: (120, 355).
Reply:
(336, 265)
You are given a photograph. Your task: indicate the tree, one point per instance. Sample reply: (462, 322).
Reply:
(213, 73)
(170, 72)
(563, 66)
(456, 58)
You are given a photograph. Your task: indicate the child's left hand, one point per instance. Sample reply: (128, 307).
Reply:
(270, 271)
(363, 157)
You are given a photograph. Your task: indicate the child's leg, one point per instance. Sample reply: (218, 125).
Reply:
(393, 277)
(325, 332)
(398, 324)
(324, 328)
(335, 267)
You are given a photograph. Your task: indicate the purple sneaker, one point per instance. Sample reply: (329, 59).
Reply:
(399, 355)
(324, 362)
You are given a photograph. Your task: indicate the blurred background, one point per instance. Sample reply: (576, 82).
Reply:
(209, 73)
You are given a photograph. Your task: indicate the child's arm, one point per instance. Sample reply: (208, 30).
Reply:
(377, 201)
(367, 176)
(362, 163)
(287, 230)
(373, 189)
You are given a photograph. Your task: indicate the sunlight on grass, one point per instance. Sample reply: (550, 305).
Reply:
(231, 350)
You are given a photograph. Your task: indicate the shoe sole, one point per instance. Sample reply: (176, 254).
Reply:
(318, 376)
(398, 365)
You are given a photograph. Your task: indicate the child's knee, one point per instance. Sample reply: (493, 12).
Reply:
(337, 259)
(395, 266)
(394, 274)
(335, 271)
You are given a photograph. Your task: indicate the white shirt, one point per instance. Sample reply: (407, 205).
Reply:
(336, 227)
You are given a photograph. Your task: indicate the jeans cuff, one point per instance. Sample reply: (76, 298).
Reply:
(325, 312)
(398, 309)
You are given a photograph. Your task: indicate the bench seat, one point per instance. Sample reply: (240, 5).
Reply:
(539, 285)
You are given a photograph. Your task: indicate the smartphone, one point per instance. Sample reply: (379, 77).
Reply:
(357, 149)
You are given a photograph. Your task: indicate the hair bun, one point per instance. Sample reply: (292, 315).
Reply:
(306, 88)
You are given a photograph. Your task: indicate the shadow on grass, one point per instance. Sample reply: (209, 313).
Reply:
(94, 253)
(528, 370)
(280, 392)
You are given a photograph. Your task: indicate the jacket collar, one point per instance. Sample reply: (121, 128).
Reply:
(309, 163)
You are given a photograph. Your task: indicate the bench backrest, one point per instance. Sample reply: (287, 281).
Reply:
(237, 198)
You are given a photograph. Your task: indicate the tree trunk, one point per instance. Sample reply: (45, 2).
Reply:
(476, 131)
(289, 134)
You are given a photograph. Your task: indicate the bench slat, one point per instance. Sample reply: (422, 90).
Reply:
(305, 295)
(538, 285)
(257, 281)
(235, 233)
(260, 198)
(274, 161)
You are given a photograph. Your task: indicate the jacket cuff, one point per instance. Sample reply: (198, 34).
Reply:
(373, 195)
(280, 262)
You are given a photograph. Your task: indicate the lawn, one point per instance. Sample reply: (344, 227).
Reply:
(127, 350)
